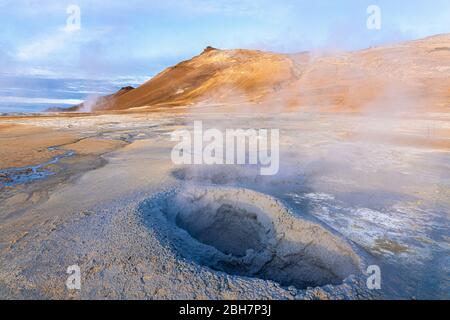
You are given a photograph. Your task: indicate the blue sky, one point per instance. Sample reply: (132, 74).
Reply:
(141, 37)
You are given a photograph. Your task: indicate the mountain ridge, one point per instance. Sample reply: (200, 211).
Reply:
(419, 69)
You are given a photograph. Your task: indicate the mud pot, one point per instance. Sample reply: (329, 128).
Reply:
(245, 233)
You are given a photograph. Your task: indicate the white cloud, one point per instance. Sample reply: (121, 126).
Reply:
(39, 100)
(42, 46)
(62, 41)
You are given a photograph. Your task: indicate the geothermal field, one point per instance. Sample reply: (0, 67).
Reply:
(363, 181)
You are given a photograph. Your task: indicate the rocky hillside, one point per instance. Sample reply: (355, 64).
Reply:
(413, 75)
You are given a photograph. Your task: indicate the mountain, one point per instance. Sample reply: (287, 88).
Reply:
(411, 75)
(213, 75)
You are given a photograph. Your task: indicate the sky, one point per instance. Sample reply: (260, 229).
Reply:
(139, 38)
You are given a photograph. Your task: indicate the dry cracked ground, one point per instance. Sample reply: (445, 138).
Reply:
(100, 192)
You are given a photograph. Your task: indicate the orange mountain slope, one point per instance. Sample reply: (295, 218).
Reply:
(413, 75)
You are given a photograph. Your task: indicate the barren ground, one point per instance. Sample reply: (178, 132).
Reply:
(93, 191)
